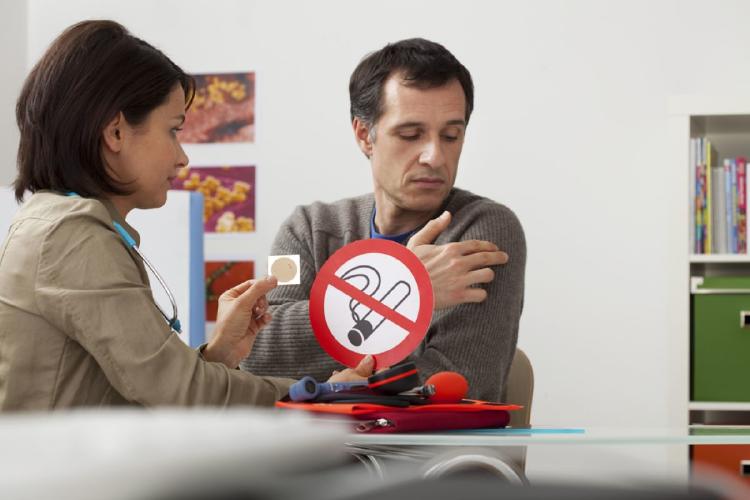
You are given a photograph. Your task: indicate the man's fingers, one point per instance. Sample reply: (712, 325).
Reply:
(473, 295)
(484, 275)
(474, 246)
(484, 259)
(430, 231)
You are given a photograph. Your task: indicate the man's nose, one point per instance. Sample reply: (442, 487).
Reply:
(432, 153)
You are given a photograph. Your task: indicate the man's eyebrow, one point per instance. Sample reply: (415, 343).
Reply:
(180, 117)
(408, 125)
(461, 123)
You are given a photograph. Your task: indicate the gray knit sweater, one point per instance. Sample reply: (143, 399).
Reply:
(476, 340)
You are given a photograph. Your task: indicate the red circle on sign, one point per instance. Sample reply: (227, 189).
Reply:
(327, 278)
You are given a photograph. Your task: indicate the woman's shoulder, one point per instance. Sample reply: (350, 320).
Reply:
(62, 236)
(54, 209)
(63, 223)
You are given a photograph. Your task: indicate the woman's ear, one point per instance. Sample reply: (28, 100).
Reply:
(363, 136)
(112, 134)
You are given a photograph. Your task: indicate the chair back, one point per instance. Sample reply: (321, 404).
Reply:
(520, 388)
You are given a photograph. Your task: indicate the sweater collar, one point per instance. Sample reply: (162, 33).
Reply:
(403, 238)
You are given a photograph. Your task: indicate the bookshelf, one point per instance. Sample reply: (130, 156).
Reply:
(725, 122)
(719, 259)
(711, 406)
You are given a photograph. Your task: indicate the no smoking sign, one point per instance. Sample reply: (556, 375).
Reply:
(371, 297)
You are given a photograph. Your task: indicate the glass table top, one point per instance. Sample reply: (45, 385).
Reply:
(687, 435)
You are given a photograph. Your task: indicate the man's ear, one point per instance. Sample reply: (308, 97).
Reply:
(112, 134)
(362, 136)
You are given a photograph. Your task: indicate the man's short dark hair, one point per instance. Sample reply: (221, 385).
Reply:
(90, 73)
(423, 64)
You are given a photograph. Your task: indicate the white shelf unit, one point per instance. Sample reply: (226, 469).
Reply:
(725, 121)
(713, 406)
(719, 259)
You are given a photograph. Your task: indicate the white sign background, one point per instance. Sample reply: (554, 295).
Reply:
(337, 304)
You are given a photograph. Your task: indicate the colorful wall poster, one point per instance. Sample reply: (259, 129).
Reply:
(220, 277)
(223, 109)
(228, 196)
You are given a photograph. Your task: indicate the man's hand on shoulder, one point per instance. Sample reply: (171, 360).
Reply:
(455, 267)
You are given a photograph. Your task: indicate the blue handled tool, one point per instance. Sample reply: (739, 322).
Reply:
(394, 380)
(308, 388)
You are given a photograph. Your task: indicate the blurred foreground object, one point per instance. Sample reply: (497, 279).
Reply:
(148, 454)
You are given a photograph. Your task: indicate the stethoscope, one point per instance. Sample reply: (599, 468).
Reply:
(173, 322)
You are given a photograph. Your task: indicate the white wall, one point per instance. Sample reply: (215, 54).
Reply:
(13, 35)
(570, 130)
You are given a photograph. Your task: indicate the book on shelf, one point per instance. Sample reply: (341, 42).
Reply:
(707, 215)
(730, 200)
(732, 203)
(741, 205)
(718, 201)
(698, 194)
(719, 209)
(692, 189)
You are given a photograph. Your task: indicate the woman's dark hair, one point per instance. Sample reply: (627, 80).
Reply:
(90, 73)
(423, 63)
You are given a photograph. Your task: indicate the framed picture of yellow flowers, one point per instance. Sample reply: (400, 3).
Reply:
(228, 196)
(223, 109)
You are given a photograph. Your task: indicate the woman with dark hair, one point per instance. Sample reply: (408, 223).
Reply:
(98, 117)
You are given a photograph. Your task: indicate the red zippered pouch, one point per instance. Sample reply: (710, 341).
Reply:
(375, 418)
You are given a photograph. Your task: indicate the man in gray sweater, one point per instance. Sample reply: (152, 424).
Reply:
(410, 105)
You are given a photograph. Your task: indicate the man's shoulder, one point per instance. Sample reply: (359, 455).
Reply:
(478, 217)
(346, 213)
(465, 204)
(354, 204)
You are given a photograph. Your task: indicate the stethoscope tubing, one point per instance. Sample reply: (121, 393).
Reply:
(173, 321)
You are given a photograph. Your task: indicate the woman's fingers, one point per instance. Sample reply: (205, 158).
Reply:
(261, 306)
(251, 290)
(237, 290)
(257, 323)
(253, 293)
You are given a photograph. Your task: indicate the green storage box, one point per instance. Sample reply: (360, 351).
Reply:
(721, 340)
